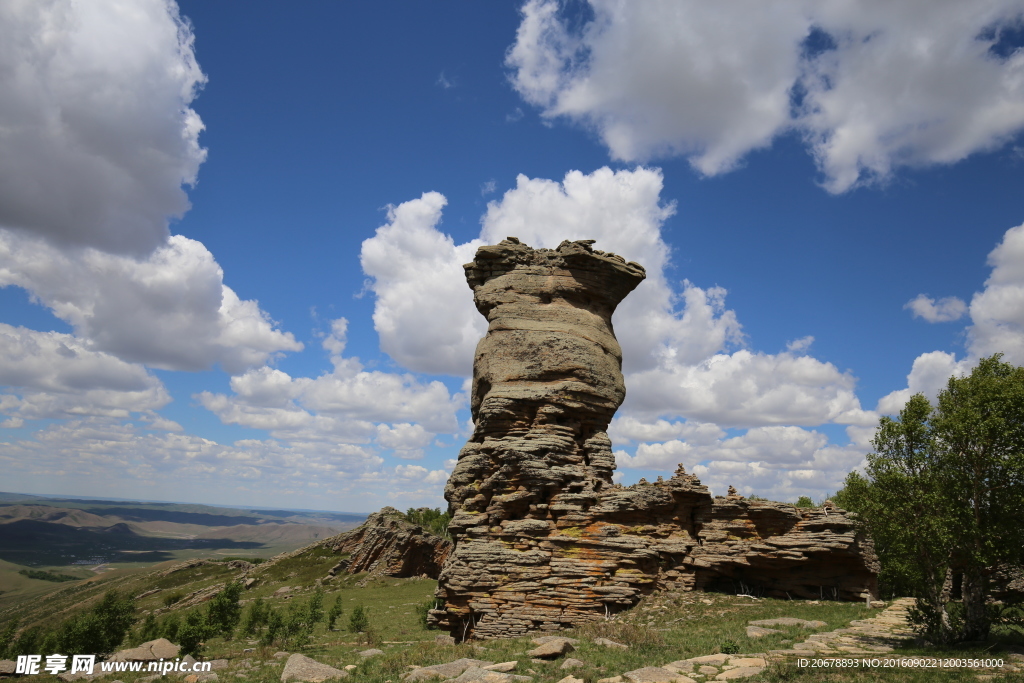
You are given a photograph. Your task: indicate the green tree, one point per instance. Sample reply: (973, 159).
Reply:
(224, 612)
(804, 502)
(192, 633)
(98, 631)
(334, 612)
(431, 519)
(943, 497)
(359, 620)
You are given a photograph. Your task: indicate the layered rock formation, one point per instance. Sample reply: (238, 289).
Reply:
(389, 545)
(542, 537)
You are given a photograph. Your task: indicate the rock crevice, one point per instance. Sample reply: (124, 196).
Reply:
(543, 539)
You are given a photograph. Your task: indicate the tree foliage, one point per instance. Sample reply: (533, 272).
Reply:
(431, 519)
(944, 496)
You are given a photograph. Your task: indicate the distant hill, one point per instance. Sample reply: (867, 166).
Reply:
(60, 533)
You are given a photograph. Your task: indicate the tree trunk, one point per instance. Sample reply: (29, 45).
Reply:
(976, 621)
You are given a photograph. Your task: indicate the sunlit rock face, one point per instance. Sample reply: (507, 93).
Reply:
(543, 539)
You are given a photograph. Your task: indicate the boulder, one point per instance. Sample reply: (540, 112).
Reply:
(150, 651)
(604, 642)
(302, 668)
(443, 671)
(552, 649)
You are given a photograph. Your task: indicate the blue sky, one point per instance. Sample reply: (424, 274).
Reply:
(230, 233)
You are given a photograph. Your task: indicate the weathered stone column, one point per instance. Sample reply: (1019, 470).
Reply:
(542, 538)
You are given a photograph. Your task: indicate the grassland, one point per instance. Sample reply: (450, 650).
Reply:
(661, 629)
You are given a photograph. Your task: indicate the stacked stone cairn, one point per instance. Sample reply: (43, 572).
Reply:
(543, 539)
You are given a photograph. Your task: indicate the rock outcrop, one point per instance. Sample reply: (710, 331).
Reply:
(387, 544)
(542, 537)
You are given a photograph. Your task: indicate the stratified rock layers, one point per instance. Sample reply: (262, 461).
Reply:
(543, 539)
(388, 545)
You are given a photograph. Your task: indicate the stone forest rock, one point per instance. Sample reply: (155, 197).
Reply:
(388, 544)
(543, 539)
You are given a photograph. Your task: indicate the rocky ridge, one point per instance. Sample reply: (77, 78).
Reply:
(389, 545)
(543, 539)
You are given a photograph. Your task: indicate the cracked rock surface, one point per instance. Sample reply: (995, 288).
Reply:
(543, 539)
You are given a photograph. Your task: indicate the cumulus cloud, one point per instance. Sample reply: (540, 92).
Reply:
(96, 132)
(348, 404)
(169, 309)
(870, 86)
(997, 312)
(54, 375)
(677, 338)
(997, 326)
(106, 456)
(781, 462)
(424, 313)
(942, 311)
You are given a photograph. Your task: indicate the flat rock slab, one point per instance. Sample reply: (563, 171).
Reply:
(540, 640)
(475, 674)
(788, 621)
(371, 653)
(682, 666)
(748, 661)
(151, 651)
(604, 642)
(444, 671)
(652, 674)
(7, 666)
(739, 672)
(760, 632)
(302, 668)
(571, 663)
(571, 679)
(502, 667)
(552, 649)
(711, 660)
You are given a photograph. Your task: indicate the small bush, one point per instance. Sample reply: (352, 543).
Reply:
(729, 648)
(192, 633)
(423, 611)
(172, 598)
(334, 612)
(359, 620)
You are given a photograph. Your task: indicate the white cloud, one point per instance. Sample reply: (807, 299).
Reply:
(169, 309)
(747, 389)
(109, 456)
(405, 439)
(870, 85)
(56, 376)
(675, 341)
(627, 428)
(997, 312)
(942, 311)
(348, 404)
(424, 312)
(96, 132)
(997, 326)
(800, 345)
(777, 462)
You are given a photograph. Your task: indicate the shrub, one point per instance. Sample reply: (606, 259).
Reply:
(192, 633)
(359, 620)
(334, 612)
(224, 611)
